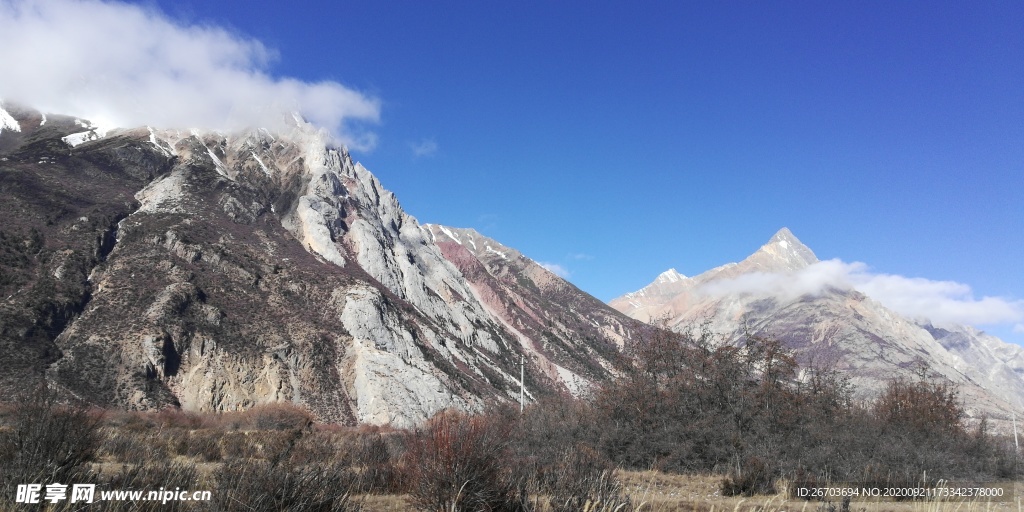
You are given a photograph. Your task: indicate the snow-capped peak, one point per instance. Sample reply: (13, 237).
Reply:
(784, 236)
(670, 276)
(786, 249)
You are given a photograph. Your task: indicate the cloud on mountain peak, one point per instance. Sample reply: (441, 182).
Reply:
(941, 302)
(124, 65)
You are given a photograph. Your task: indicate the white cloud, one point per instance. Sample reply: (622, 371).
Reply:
(812, 280)
(423, 148)
(938, 301)
(125, 65)
(555, 269)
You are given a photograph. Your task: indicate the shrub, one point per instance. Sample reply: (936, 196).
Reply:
(754, 476)
(122, 444)
(176, 440)
(277, 446)
(923, 409)
(373, 458)
(151, 476)
(461, 463)
(318, 446)
(280, 416)
(261, 485)
(48, 442)
(204, 445)
(276, 483)
(581, 479)
(238, 445)
(172, 417)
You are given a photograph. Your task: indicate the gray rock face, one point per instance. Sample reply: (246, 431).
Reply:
(148, 268)
(834, 326)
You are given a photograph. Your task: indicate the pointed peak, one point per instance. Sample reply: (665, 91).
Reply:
(670, 276)
(668, 284)
(784, 235)
(786, 251)
(788, 242)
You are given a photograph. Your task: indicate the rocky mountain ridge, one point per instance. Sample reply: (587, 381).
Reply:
(556, 322)
(146, 268)
(779, 291)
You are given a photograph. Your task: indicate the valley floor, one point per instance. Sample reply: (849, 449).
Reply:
(654, 491)
(276, 458)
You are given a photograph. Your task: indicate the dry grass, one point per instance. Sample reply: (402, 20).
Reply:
(384, 502)
(276, 453)
(653, 491)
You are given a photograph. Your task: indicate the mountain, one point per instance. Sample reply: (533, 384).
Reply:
(144, 268)
(573, 336)
(783, 290)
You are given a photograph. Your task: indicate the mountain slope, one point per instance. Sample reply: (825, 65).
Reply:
(145, 268)
(575, 337)
(782, 290)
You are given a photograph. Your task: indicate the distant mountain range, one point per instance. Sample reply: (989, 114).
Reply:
(776, 292)
(144, 268)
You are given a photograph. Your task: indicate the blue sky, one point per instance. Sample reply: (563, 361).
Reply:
(617, 141)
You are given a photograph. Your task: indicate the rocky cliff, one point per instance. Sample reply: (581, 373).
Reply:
(147, 268)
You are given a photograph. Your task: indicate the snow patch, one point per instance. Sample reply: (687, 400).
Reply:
(784, 244)
(43, 121)
(670, 276)
(499, 253)
(101, 131)
(450, 234)
(153, 140)
(221, 168)
(93, 132)
(264, 166)
(76, 139)
(7, 122)
(430, 231)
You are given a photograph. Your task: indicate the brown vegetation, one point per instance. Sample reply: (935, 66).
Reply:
(687, 405)
(459, 462)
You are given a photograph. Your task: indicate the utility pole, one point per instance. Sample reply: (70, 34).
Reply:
(522, 374)
(1015, 443)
